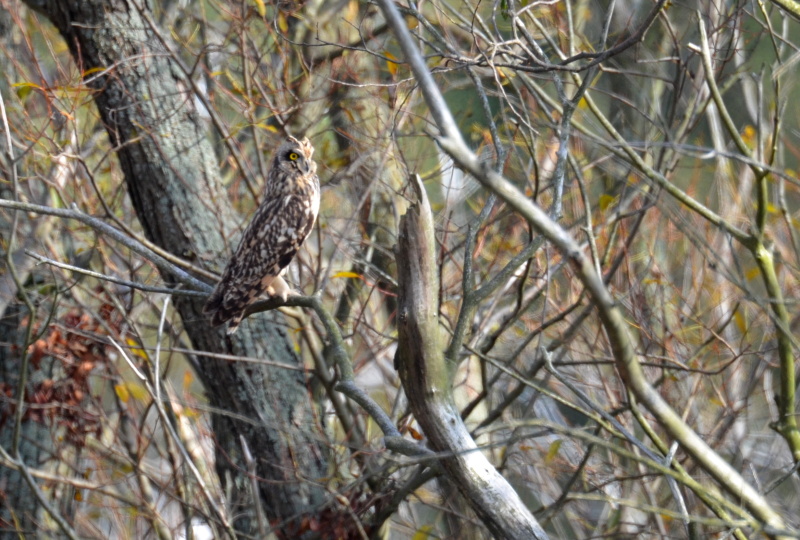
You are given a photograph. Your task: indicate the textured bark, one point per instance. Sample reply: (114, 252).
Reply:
(19, 508)
(427, 382)
(174, 185)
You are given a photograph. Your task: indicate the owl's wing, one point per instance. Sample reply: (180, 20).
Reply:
(268, 245)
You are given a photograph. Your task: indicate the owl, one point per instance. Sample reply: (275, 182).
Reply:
(270, 242)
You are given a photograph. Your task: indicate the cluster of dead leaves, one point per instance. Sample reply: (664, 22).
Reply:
(61, 397)
(332, 522)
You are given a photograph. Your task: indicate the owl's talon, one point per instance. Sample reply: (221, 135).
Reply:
(279, 288)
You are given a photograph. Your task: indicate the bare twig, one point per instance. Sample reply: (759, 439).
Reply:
(104, 228)
(112, 279)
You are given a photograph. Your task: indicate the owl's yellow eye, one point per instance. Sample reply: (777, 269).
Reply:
(293, 156)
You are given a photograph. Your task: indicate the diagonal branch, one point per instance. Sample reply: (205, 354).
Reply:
(102, 227)
(613, 322)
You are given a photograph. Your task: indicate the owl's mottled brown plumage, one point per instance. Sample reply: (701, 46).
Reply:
(270, 242)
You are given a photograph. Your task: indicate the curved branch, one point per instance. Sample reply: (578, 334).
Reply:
(102, 227)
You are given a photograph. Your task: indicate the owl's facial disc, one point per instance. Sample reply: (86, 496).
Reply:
(297, 157)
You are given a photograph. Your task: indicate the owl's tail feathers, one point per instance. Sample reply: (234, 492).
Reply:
(221, 311)
(233, 326)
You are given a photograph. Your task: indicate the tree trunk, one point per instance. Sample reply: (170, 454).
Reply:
(19, 508)
(173, 182)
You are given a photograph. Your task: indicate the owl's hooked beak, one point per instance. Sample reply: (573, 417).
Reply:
(303, 166)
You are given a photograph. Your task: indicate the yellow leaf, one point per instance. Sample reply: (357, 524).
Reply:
(136, 348)
(266, 127)
(78, 496)
(423, 533)
(552, 452)
(282, 24)
(122, 392)
(191, 414)
(606, 201)
(188, 378)
(234, 84)
(411, 22)
(25, 88)
(391, 63)
(23, 92)
(752, 274)
(93, 70)
(26, 85)
(741, 321)
(504, 75)
(346, 275)
(138, 391)
(128, 390)
(749, 135)
(260, 7)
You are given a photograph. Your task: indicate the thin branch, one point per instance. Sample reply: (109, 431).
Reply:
(218, 511)
(23, 470)
(112, 279)
(100, 226)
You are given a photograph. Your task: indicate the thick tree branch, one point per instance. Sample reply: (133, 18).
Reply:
(427, 381)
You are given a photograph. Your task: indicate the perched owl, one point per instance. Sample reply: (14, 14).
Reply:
(270, 242)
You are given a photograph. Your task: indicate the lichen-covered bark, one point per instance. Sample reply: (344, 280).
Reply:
(174, 184)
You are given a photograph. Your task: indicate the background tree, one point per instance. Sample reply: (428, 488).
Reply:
(581, 326)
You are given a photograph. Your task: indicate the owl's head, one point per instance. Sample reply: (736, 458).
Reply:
(294, 157)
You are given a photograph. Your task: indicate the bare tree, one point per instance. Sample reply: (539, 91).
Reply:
(549, 292)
